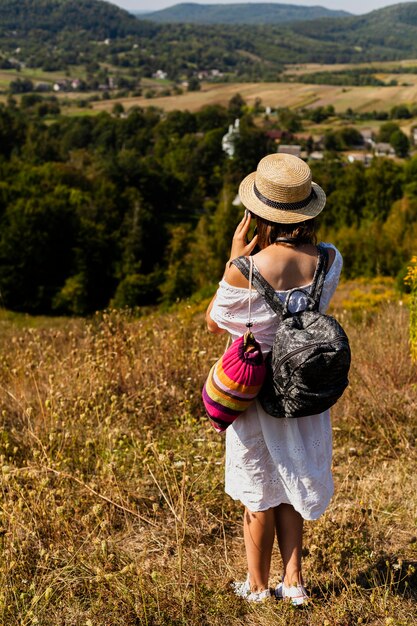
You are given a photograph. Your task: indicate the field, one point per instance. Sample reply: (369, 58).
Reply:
(293, 95)
(282, 94)
(113, 511)
(312, 68)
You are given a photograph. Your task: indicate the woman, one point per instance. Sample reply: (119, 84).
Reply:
(280, 469)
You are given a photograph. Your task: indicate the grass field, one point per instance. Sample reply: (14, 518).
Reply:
(113, 511)
(292, 95)
(312, 68)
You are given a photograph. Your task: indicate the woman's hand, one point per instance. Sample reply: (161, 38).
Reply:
(240, 246)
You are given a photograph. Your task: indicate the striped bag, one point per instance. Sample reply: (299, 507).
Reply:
(236, 378)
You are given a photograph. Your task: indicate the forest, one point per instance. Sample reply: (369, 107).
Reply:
(60, 34)
(137, 209)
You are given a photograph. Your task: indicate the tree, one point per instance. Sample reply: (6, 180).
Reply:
(36, 249)
(118, 109)
(21, 85)
(400, 143)
(194, 84)
(289, 120)
(210, 117)
(386, 130)
(225, 220)
(137, 290)
(331, 141)
(383, 186)
(350, 136)
(178, 281)
(251, 145)
(236, 107)
(400, 112)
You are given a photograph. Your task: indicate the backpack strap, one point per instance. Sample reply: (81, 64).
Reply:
(319, 274)
(261, 285)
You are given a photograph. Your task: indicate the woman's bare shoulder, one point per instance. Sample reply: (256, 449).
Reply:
(234, 277)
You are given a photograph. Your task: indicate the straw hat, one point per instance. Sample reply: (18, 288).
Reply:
(281, 190)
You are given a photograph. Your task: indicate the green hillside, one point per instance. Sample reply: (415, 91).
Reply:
(249, 13)
(387, 33)
(56, 34)
(49, 17)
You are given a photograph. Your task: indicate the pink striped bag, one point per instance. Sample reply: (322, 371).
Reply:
(236, 378)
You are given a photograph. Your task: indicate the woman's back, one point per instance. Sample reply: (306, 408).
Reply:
(283, 266)
(230, 309)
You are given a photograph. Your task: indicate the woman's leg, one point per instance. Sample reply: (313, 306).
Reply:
(289, 527)
(259, 534)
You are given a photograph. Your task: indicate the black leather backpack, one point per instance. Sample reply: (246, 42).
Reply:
(308, 365)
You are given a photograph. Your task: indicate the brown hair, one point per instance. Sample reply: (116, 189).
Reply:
(268, 232)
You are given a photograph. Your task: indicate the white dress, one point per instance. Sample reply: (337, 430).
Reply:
(270, 461)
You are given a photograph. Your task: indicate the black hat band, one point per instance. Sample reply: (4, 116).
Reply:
(284, 206)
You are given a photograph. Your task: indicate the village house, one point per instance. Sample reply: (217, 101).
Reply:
(367, 136)
(294, 150)
(275, 134)
(207, 74)
(74, 84)
(360, 157)
(384, 149)
(316, 155)
(61, 85)
(43, 87)
(160, 74)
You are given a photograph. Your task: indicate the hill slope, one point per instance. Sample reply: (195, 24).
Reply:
(99, 19)
(386, 33)
(249, 13)
(54, 34)
(116, 482)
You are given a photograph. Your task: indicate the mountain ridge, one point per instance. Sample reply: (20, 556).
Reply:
(242, 13)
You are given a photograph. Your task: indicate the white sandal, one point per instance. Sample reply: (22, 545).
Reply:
(295, 593)
(243, 591)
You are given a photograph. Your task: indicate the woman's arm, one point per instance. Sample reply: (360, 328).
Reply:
(240, 247)
(212, 327)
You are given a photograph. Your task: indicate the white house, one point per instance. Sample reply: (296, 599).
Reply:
(160, 74)
(316, 155)
(362, 157)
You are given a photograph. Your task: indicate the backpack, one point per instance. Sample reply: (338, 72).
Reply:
(308, 365)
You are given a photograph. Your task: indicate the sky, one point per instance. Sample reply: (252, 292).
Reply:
(353, 6)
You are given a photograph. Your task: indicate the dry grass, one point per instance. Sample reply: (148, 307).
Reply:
(312, 68)
(293, 95)
(113, 511)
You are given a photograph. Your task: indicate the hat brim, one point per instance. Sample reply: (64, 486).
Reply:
(251, 201)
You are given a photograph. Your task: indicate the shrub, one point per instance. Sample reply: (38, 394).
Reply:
(411, 280)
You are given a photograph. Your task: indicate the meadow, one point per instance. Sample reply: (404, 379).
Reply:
(291, 94)
(113, 510)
